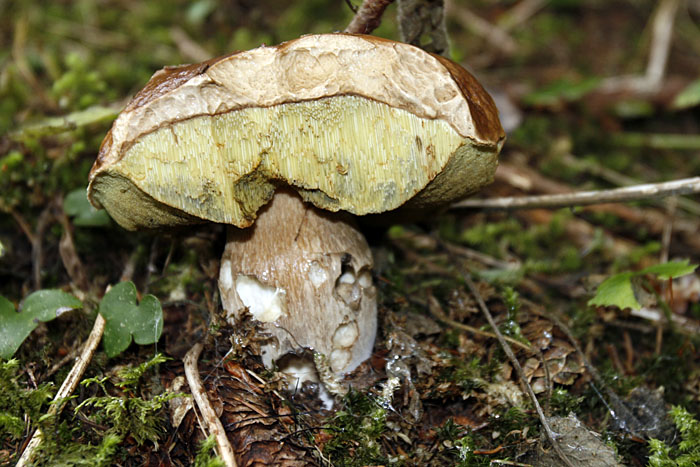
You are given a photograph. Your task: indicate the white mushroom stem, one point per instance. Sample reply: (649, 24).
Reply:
(306, 275)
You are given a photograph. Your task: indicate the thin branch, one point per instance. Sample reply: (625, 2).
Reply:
(684, 186)
(521, 374)
(495, 35)
(619, 179)
(38, 244)
(68, 386)
(212, 422)
(189, 49)
(662, 34)
(520, 13)
(368, 17)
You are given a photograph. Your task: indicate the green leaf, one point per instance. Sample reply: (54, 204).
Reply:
(126, 319)
(616, 291)
(688, 97)
(77, 205)
(670, 270)
(43, 305)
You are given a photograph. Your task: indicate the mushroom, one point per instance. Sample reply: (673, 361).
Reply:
(285, 144)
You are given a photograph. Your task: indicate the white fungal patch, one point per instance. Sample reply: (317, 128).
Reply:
(317, 274)
(265, 303)
(345, 335)
(365, 279)
(347, 277)
(339, 359)
(225, 278)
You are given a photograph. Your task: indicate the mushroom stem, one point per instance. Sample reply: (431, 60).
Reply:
(305, 274)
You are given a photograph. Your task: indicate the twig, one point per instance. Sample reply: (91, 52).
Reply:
(187, 46)
(68, 386)
(38, 244)
(662, 31)
(671, 141)
(683, 325)
(617, 178)
(69, 255)
(494, 35)
(617, 195)
(23, 225)
(527, 179)
(368, 16)
(514, 361)
(662, 34)
(520, 13)
(668, 229)
(212, 422)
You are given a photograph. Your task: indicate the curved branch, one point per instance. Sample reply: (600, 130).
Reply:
(368, 17)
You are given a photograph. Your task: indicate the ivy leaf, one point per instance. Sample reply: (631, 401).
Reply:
(618, 290)
(43, 305)
(125, 318)
(77, 205)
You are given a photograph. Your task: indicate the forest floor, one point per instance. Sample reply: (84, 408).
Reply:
(592, 95)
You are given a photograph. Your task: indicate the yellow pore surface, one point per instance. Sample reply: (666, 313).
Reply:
(342, 152)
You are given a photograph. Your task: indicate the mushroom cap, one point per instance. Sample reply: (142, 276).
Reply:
(351, 122)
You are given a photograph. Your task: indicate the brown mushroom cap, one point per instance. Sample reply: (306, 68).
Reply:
(351, 122)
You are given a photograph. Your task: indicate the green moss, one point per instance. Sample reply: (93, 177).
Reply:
(19, 402)
(355, 431)
(129, 414)
(128, 409)
(563, 402)
(684, 454)
(205, 455)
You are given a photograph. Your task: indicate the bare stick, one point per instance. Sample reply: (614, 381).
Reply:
(493, 34)
(212, 422)
(662, 34)
(368, 16)
(618, 195)
(520, 13)
(619, 179)
(514, 361)
(68, 386)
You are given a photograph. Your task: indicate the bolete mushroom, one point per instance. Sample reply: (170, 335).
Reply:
(299, 135)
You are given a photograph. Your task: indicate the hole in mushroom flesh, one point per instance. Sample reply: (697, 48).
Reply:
(299, 370)
(349, 286)
(265, 303)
